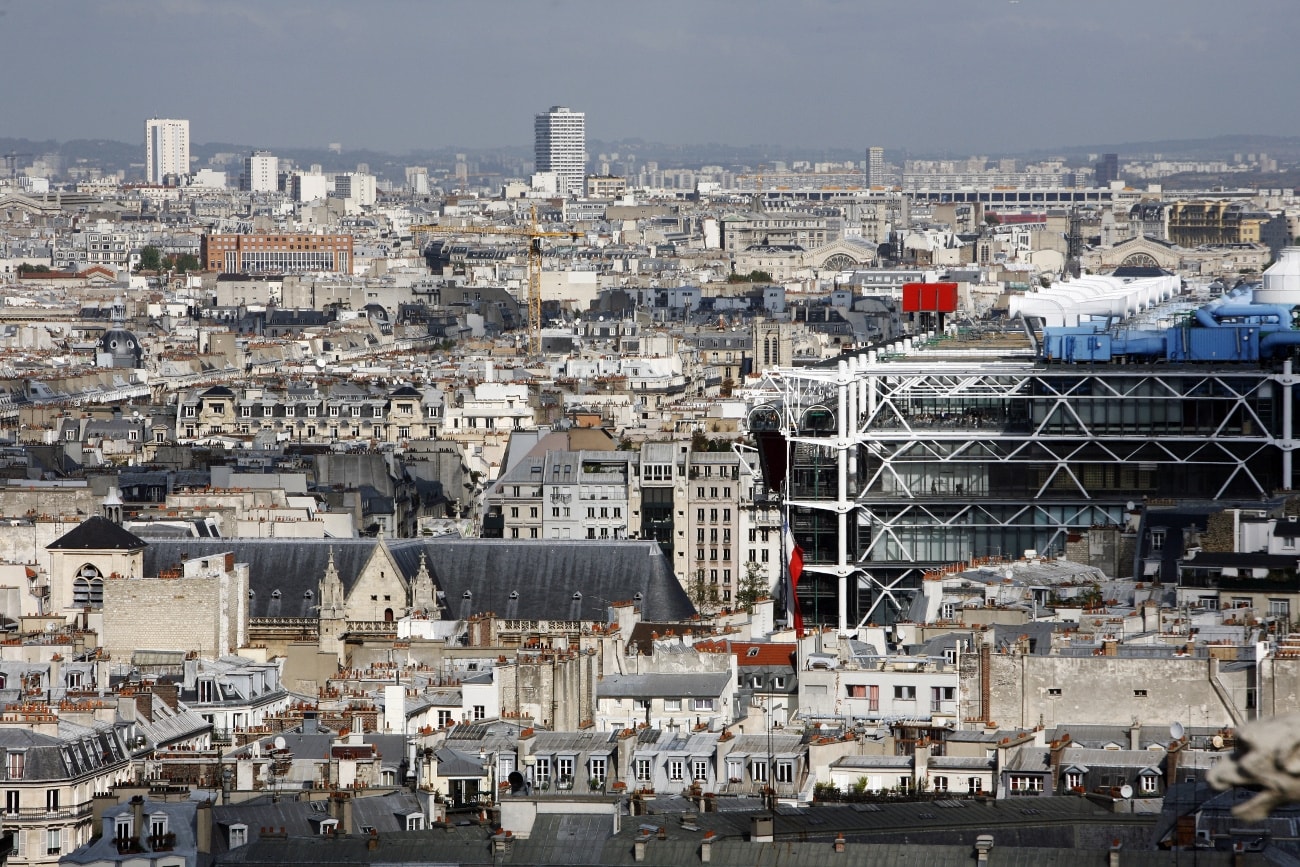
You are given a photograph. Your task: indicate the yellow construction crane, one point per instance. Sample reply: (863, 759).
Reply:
(534, 236)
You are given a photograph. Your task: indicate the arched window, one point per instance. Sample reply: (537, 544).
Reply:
(388, 615)
(88, 588)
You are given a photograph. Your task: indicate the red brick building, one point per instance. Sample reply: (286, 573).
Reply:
(277, 254)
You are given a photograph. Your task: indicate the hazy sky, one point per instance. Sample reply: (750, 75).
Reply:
(972, 76)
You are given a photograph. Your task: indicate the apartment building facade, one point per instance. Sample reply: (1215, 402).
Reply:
(166, 148)
(560, 146)
(307, 414)
(699, 505)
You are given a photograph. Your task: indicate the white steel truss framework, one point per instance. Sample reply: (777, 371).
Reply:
(897, 465)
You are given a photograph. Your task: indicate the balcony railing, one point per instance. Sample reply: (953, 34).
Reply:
(27, 815)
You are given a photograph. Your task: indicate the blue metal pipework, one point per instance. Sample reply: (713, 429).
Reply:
(1226, 330)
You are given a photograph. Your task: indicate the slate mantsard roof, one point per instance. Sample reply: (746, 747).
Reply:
(1046, 833)
(546, 577)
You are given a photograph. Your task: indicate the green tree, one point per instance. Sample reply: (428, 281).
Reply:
(182, 262)
(703, 595)
(150, 259)
(751, 277)
(752, 588)
(26, 268)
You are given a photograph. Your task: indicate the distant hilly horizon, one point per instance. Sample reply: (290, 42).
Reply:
(113, 155)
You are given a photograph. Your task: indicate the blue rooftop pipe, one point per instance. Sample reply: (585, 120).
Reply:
(1210, 314)
(1231, 329)
(1275, 340)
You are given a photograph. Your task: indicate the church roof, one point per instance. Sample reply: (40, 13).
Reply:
(544, 575)
(97, 534)
(281, 572)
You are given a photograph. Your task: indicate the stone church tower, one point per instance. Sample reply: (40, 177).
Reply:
(333, 610)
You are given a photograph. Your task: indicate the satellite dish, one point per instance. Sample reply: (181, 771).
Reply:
(1217, 741)
(1126, 792)
(279, 742)
(1176, 730)
(516, 782)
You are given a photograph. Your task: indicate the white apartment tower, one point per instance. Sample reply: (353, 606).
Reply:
(875, 167)
(560, 146)
(357, 186)
(166, 148)
(261, 173)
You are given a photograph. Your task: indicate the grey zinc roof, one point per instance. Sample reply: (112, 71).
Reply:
(1028, 758)
(865, 762)
(354, 471)
(1046, 833)
(458, 763)
(574, 742)
(953, 763)
(180, 821)
(45, 757)
(672, 685)
(302, 818)
(168, 726)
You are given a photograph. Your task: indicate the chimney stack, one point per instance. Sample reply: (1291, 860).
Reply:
(203, 828)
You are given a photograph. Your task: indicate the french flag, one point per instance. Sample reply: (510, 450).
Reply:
(794, 566)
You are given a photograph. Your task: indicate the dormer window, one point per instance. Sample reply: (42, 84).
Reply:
(328, 827)
(157, 824)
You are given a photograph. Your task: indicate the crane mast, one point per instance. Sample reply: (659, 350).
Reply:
(534, 237)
